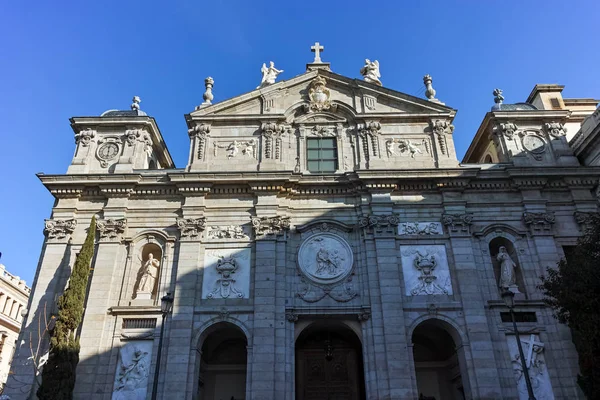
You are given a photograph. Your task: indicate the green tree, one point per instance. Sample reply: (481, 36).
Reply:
(58, 374)
(572, 290)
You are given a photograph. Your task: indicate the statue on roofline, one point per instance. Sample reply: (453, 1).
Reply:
(370, 72)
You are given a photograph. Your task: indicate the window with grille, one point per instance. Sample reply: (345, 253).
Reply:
(321, 155)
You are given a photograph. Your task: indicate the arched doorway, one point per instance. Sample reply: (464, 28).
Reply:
(223, 364)
(437, 363)
(329, 364)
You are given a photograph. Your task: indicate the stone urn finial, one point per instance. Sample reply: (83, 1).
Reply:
(208, 96)
(429, 91)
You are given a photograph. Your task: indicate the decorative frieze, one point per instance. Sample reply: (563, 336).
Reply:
(555, 129)
(85, 137)
(227, 232)
(191, 228)
(420, 228)
(268, 226)
(59, 229)
(111, 229)
(538, 222)
(458, 223)
(200, 134)
(425, 270)
(237, 148)
(587, 220)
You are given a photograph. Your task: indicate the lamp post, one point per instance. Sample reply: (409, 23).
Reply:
(166, 304)
(509, 299)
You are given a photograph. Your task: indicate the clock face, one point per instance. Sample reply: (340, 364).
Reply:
(534, 144)
(108, 151)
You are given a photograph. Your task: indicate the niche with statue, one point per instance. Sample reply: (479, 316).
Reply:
(147, 275)
(507, 269)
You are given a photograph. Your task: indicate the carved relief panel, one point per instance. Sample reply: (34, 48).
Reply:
(226, 274)
(425, 270)
(535, 361)
(133, 368)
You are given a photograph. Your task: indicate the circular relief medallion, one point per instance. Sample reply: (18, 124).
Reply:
(533, 144)
(108, 151)
(325, 258)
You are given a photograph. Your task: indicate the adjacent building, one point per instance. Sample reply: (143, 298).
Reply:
(323, 241)
(14, 295)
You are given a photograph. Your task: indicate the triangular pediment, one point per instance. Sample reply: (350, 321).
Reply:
(292, 99)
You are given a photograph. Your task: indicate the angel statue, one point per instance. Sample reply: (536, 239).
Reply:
(149, 273)
(269, 74)
(370, 72)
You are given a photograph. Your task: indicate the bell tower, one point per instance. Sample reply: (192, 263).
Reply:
(118, 141)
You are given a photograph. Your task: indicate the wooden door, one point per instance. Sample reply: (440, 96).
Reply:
(320, 379)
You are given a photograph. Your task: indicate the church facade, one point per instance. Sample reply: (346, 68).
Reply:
(323, 242)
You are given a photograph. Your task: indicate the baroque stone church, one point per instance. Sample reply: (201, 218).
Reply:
(322, 242)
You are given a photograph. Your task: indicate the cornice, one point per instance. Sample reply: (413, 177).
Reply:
(206, 183)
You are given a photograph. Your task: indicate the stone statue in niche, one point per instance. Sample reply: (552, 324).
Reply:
(148, 276)
(131, 381)
(508, 276)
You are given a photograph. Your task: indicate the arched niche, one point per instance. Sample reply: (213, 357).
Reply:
(221, 362)
(143, 244)
(494, 249)
(148, 272)
(439, 359)
(329, 362)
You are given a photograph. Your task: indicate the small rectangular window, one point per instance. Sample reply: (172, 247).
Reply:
(321, 155)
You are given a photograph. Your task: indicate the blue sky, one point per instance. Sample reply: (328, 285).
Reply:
(64, 59)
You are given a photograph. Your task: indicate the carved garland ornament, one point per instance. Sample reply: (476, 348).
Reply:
(138, 135)
(272, 134)
(191, 228)
(441, 127)
(227, 232)
(368, 132)
(200, 132)
(59, 228)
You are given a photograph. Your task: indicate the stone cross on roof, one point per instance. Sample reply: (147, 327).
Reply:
(317, 48)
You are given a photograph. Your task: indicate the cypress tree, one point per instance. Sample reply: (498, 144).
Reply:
(58, 374)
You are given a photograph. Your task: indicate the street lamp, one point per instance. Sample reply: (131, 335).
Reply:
(509, 299)
(166, 304)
